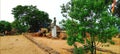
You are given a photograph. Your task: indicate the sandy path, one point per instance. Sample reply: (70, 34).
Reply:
(18, 45)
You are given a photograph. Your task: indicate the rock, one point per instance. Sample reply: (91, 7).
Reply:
(118, 36)
(54, 52)
(49, 35)
(62, 35)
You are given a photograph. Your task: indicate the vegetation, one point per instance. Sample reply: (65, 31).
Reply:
(18, 27)
(89, 17)
(5, 26)
(30, 17)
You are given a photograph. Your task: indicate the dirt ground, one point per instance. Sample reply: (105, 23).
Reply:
(18, 45)
(62, 46)
(59, 45)
(21, 45)
(114, 48)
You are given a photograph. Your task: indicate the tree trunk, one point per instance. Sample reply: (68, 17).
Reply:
(92, 51)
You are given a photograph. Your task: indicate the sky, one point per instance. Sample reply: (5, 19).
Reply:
(52, 7)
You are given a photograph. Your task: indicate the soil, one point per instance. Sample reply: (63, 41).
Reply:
(19, 44)
(60, 46)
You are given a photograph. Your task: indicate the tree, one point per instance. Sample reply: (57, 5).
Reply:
(31, 16)
(5, 26)
(89, 17)
(18, 27)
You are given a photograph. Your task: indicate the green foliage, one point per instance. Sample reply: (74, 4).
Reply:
(91, 17)
(20, 28)
(112, 42)
(71, 32)
(79, 51)
(31, 16)
(5, 26)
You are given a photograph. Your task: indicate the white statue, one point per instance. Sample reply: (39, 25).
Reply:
(54, 30)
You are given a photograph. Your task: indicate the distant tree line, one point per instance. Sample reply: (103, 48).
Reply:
(27, 18)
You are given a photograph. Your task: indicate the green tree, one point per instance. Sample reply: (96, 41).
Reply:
(31, 16)
(19, 27)
(86, 16)
(5, 26)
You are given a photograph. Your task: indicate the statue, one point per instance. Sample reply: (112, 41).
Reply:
(54, 30)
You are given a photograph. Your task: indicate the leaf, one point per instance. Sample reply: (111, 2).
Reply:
(70, 40)
(79, 36)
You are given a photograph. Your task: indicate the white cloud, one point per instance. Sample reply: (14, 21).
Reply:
(52, 7)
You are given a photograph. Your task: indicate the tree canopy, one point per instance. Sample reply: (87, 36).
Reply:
(92, 17)
(31, 17)
(18, 27)
(5, 26)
